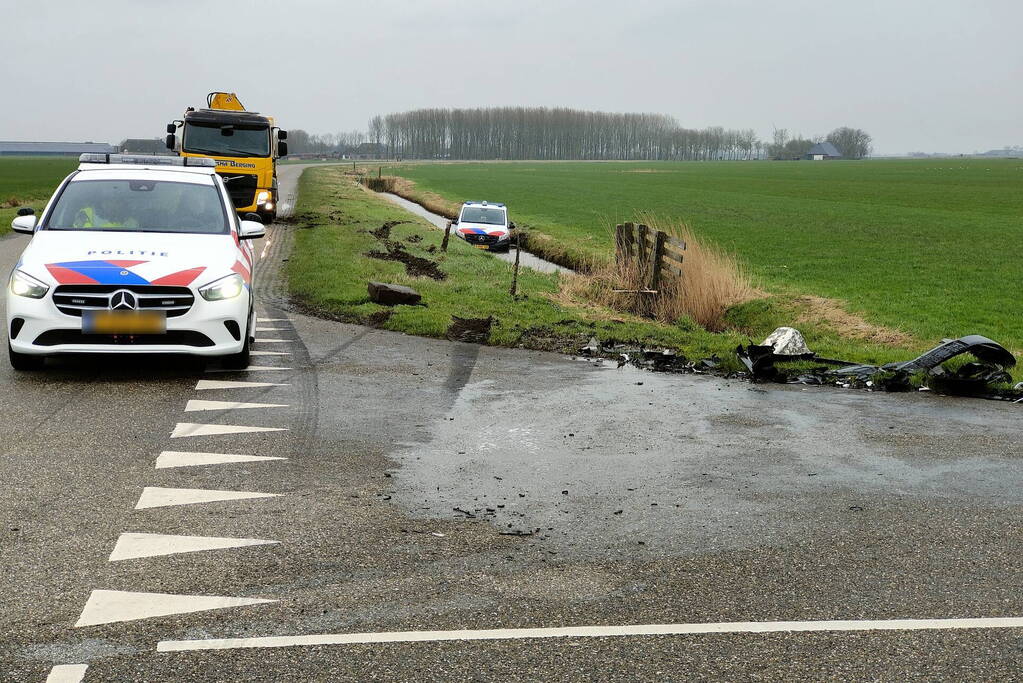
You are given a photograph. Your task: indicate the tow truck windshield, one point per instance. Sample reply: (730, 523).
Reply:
(473, 214)
(138, 206)
(226, 140)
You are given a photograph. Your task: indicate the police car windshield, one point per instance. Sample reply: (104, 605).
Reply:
(138, 206)
(227, 140)
(487, 216)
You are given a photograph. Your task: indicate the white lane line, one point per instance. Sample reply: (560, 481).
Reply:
(272, 320)
(132, 546)
(272, 341)
(67, 673)
(272, 329)
(192, 459)
(107, 607)
(231, 384)
(159, 496)
(196, 405)
(251, 368)
(183, 429)
(269, 353)
(588, 632)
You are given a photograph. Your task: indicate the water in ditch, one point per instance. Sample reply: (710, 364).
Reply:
(525, 258)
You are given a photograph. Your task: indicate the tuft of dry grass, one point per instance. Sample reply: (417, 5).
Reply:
(712, 281)
(819, 311)
(10, 203)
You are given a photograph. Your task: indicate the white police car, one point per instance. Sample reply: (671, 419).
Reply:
(134, 255)
(484, 225)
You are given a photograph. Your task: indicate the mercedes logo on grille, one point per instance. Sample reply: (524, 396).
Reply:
(123, 300)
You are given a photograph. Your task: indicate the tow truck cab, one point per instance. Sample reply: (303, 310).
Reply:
(245, 145)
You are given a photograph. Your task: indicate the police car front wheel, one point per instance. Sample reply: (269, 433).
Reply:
(24, 362)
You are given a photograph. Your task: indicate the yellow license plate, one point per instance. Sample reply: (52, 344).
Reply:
(481, 246)
(124, 322)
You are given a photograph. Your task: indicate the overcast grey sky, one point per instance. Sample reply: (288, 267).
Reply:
(932, 75)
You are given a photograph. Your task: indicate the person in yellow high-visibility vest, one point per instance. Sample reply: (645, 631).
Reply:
(107, 214)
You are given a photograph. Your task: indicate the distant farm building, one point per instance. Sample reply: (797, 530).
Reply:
(822, 151)
(144, 146)
(53, 149)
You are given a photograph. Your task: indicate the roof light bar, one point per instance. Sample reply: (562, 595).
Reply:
(142, 160)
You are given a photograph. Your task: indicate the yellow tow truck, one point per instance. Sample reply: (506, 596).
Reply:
(245, 145)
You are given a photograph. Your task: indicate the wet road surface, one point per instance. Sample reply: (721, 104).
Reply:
(425, 485)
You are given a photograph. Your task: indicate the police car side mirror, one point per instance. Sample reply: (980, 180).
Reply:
(171, 142)
(251, 229)
(25, 223)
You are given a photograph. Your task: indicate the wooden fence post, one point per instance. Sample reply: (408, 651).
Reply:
(619, 244)
(655, 260)
(515, 277)
(630, 239)
(447, 233)
(641, 238)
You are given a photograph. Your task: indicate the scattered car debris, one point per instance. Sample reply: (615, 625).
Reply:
(785, 358)
(392, 295)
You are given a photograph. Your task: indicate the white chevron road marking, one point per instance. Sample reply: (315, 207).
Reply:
(251, 368)
(196, 405)
(67, 673)
(159, 496)
(205, 384)
(169, 459)
(107, 607)
(131, 546)
(183, 429)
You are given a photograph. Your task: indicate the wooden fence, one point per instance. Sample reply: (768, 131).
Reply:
(656, 251)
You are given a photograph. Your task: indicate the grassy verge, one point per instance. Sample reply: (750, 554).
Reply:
(328, 272)
(26, 181)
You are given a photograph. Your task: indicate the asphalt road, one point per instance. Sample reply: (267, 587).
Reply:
(412, 464)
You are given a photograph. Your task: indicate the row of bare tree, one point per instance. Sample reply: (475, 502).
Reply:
(559, 133)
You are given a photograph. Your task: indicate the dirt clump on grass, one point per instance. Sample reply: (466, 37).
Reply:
(470, 330)
(415, 266)
(817, 310)
(384, 231)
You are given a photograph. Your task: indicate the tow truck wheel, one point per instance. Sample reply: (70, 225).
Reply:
(24, 362)
(268, 216)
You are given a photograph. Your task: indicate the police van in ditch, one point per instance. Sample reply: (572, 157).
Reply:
(484, 225)
(134, 254)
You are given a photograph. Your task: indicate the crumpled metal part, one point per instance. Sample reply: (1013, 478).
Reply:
(975, 378)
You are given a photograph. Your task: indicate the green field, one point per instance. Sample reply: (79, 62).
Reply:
(933, 248)
(29, 182)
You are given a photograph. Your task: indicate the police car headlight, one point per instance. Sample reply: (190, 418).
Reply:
(24, 284)
(225, 288)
